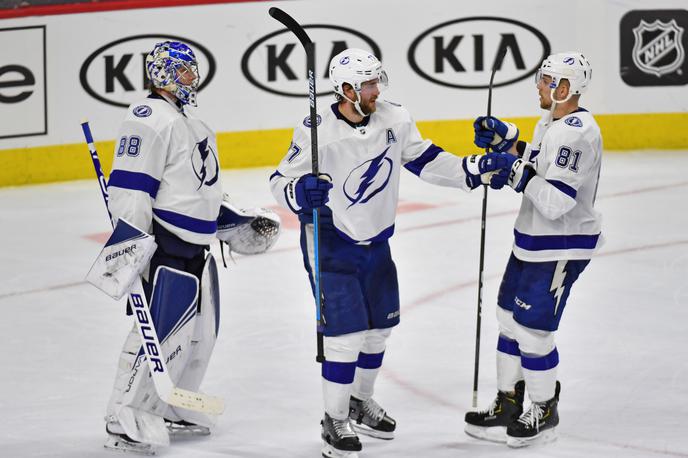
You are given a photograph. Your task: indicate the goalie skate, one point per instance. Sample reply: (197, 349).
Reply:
(340, 440)
(181, 429)
(118, 441)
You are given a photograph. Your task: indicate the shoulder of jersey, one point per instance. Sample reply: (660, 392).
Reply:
(574, 128)
(580, 120)
(323, 117)
(392, 110)
(152, 111)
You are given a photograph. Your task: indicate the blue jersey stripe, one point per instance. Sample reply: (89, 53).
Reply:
(381, 237)
(416, 166)
(555, 242)
(135, 181)
(200, 226)
(563, 187)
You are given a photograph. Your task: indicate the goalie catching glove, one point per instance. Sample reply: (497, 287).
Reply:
(123, 258)
(252, 231)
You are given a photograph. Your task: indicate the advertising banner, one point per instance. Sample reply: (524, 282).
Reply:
(57, 70)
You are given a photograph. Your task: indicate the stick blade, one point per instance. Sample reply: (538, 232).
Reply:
(198, 402)
(290, 23)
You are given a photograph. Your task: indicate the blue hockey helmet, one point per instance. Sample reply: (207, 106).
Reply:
(172, 66)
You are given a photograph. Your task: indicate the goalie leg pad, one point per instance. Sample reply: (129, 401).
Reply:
(173, 311)
(202, 344)
(129, 359)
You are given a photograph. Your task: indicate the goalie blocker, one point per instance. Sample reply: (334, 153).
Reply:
(123, 258)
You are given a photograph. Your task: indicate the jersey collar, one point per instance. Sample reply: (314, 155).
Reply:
(578, 110)
(178, 105)
(339, 115)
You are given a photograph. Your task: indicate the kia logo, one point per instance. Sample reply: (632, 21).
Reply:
(461, 53)
(276, 63)
(116, 73)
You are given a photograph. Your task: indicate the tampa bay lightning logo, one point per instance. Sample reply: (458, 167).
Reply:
(569, 60)
(204, 163)
(142, 111)
(368, 179)
(574, 121)
(307, 120)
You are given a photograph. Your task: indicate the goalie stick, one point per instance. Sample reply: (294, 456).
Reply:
(170, 394)
(483, 220)
(308, 45)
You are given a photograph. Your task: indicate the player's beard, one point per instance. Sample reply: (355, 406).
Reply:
(368, 107)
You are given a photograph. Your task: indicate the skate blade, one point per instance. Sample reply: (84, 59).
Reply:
(187, 433)
(544, 437)
(495, 434)
(330, 452)
(368, 431)
(120, 445)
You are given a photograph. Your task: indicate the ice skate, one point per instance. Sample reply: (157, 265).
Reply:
(537, 425)
(117, 440)
(368, 418)
(181, 429)
(340, 439)
(491, 424)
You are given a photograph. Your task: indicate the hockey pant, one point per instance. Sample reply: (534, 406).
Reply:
(187, 329)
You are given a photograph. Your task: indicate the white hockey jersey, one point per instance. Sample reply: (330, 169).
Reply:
(557, 219)
(364, 162)
(166, 167)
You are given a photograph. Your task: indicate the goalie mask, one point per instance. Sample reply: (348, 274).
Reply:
(355, 67)
(249, 232)
(571, 66)
(172, 66)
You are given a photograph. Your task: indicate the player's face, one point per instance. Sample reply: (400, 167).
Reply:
(187, 75)
(370, 90)
(544, 91)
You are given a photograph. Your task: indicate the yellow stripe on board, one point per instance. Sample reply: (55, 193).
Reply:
(267, 147)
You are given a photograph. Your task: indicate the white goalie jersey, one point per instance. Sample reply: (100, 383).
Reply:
(364, 163)
(557, 219)
(166, 168)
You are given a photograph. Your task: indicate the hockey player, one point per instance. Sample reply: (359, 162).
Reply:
(556, 233)
(165, 182)
(363, 143)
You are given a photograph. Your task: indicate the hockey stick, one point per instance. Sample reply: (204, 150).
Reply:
(308, 45)
(170, 394)
(483, 220)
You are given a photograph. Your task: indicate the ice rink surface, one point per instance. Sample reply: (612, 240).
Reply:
(623, 341)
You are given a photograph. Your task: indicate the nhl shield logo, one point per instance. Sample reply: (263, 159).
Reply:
(658, 49)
